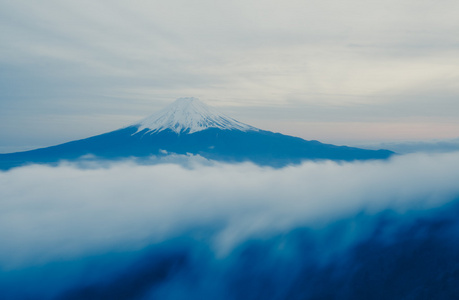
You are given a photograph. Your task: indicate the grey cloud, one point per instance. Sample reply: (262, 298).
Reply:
(112, 57)
(432, 146)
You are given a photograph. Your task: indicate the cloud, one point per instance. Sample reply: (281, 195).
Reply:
(126, 228)
(433, 146)
(116, 61)
(51, 213)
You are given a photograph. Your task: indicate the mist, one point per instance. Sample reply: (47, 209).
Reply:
(155, 231)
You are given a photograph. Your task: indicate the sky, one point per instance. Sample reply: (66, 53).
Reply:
(343, 72)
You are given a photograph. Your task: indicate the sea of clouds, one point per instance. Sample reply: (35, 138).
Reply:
(198, 228)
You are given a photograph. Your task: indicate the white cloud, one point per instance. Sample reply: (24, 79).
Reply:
(53, 213)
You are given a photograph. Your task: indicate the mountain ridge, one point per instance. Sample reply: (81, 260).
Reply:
(203, 131)
(189, 115)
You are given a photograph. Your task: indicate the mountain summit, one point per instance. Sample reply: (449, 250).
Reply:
(189, 115)
(188, 126)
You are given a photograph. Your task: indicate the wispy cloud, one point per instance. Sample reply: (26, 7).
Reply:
(395, 59)
(135, 221)
(52, 213)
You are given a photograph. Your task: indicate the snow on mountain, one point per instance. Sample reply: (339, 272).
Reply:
(226, 140)
(189, 115)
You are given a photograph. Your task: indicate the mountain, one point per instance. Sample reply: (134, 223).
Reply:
(190, 126)
(189, 115)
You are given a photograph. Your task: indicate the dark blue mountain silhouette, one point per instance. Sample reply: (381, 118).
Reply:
(189, 126)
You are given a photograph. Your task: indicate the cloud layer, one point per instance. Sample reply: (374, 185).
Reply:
(126, 229)
(78, 67)
(63, 212)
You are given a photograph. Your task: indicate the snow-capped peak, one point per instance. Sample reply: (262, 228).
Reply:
(189, 115)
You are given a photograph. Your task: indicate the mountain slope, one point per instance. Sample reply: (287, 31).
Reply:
(189, 115)
(189, 126)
